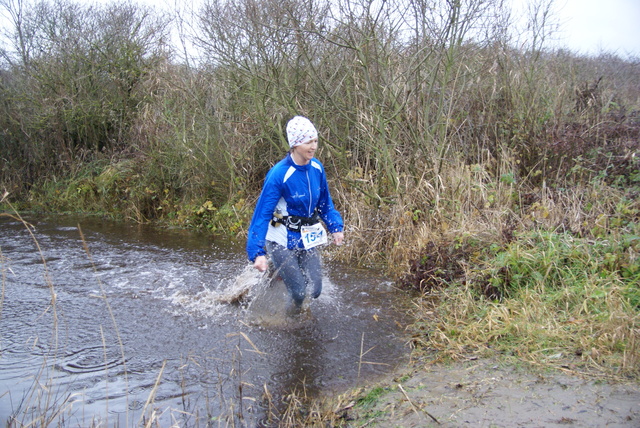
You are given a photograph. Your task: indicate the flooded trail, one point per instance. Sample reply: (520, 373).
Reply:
(133, 322)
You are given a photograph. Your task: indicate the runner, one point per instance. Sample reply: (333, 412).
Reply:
(286, 222)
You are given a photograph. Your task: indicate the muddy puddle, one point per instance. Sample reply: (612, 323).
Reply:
(121, 323)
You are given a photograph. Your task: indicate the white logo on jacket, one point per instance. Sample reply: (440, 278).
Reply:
(298, 195)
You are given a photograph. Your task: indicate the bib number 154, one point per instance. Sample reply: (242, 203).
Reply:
(312, 236)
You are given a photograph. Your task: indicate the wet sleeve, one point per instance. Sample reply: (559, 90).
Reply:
(262, 215)
(328, 211)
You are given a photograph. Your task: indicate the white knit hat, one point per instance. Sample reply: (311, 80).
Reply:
(300, 130)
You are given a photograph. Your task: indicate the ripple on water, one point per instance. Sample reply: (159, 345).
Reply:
(89, 360)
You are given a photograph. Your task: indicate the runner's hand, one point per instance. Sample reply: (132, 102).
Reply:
(338, 237)
(261, 263)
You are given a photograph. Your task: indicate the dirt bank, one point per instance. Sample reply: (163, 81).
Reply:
(483, 393)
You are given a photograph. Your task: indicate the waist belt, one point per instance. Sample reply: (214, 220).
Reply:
(294, 222)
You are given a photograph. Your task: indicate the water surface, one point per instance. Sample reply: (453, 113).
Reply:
(132, 322)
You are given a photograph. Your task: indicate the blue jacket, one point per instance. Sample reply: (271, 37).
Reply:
(295, 190)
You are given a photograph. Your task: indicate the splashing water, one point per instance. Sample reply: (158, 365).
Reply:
(212, 301)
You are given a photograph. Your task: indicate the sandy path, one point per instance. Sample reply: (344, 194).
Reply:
(484, 394)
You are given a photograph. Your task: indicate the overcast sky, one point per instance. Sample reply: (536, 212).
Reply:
(586, 26)
(592, 26)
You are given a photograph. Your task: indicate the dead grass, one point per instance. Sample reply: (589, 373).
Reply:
(559, 289)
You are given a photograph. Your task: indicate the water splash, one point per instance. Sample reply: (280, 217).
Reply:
(209, 302)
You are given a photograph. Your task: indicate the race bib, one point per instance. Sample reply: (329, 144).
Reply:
(312, 236)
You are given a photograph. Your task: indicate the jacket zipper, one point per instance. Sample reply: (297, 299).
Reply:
(310, 195)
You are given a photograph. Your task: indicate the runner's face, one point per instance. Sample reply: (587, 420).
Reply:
(307, 150)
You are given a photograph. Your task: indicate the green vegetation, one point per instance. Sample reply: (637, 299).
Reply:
(562, 294)
(499, 183)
